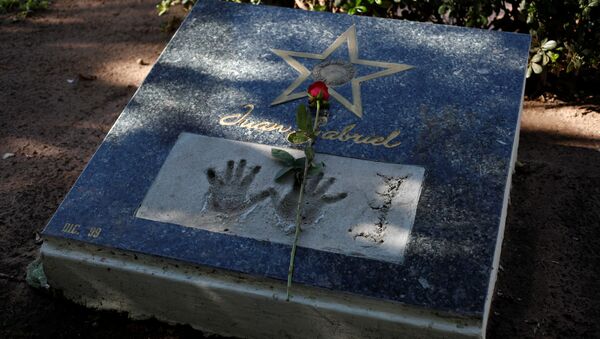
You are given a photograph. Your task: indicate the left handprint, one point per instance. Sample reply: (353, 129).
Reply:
(228, 191)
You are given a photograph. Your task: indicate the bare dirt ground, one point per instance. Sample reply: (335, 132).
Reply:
(66, 74)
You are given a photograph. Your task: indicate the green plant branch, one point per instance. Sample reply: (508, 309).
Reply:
(307, 163)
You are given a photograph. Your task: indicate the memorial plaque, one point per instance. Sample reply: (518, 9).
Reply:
(178, 215)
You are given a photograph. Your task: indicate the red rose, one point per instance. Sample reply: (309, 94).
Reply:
(319, 87)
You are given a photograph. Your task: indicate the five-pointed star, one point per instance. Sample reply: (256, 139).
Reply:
(350, 37)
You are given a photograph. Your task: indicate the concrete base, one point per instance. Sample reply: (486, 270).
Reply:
(232, 304)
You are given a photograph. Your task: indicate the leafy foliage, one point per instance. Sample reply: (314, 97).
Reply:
(305, 134)
(542, 55)
(293, 165)
(23, 8)
(565, 33)
(165, 5)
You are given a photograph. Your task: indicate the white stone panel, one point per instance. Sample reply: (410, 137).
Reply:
(358, 207)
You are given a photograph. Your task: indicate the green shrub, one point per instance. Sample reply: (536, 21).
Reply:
(165, 5)
(7, 6)
(565, 33)
(23, 8)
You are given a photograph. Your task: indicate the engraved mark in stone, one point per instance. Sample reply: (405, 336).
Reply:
(315, 197)
(333, 72)
(228, 191)
(392, 187)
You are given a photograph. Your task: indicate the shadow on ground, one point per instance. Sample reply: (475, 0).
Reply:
(53, 117)
(546, 287)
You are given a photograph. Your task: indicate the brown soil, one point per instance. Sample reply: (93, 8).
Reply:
(66, 74)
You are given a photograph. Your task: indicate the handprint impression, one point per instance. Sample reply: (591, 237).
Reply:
(228, 192)
(314, 198)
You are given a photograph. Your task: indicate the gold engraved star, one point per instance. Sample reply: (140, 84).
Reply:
(335, 71)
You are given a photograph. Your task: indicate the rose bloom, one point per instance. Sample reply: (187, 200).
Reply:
(318, 87)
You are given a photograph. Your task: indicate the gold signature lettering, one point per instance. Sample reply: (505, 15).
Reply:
(71, 228)
(242, 121)
(356, 138)
(345, 135)
(94, 232)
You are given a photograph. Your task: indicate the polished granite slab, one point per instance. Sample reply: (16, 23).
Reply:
(441, 101)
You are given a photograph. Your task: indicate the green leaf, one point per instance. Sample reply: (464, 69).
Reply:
(283, 172)
(570, 67)
(548, 45)
(298, 137)
(529, 70)
(553, 56)
(537, 69)
(545, 59)
(163, 7)
(302, 118)
(315, 169)
(299, 163)
(282, 156)
(536, 58)
(442, 9)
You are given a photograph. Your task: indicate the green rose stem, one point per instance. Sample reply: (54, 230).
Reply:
(307, 162)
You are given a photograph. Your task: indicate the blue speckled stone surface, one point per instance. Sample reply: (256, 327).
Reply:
(457, 111)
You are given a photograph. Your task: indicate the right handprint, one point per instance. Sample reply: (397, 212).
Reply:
(315, 197)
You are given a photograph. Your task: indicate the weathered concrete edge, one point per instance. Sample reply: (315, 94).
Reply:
(231, 304)
(503, 215)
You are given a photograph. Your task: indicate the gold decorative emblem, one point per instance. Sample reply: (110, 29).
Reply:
(335, 72)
